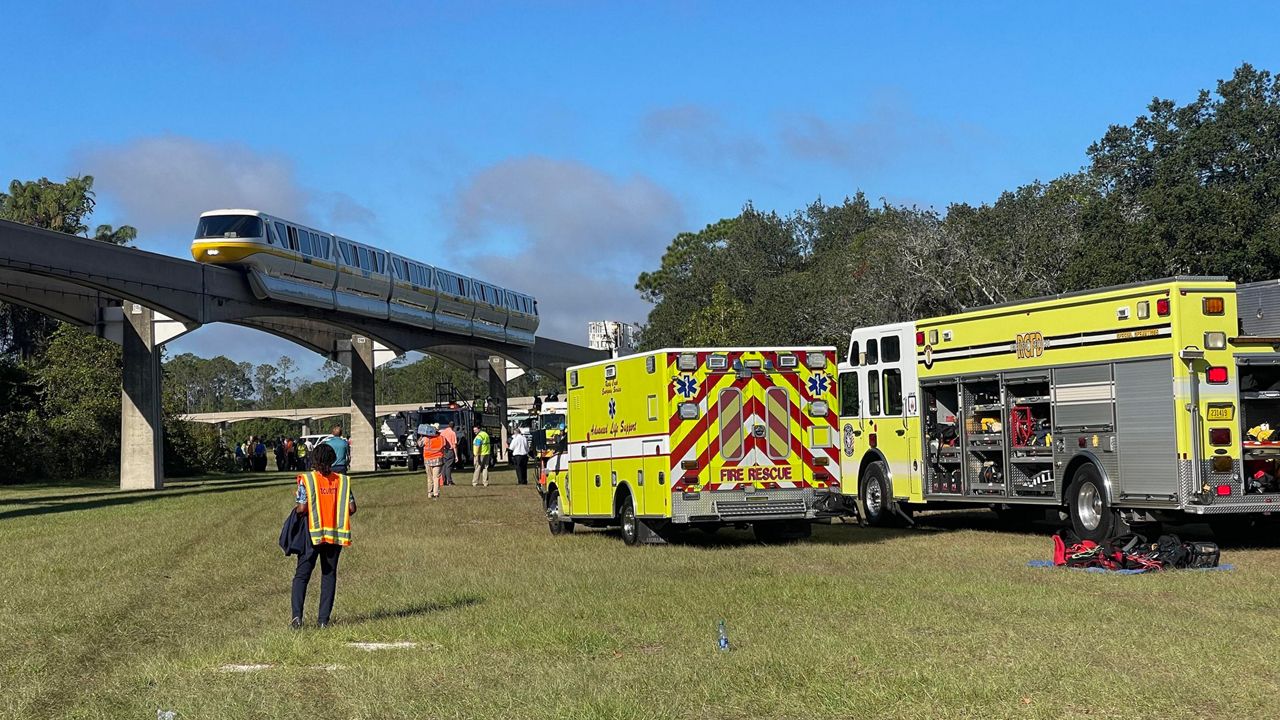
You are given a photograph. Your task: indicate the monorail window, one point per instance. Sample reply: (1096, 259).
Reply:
(282, 236)
(893, 392)
(293, 238)
(229, 226)
(363, 253)
(325, 240)
(890, 349)
(345, 249)
(305, 238)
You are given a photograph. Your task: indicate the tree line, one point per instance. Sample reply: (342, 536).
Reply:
(1189, 189)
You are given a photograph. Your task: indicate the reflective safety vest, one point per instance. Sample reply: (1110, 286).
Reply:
(433, 447)
(483, 447)
(328, 508)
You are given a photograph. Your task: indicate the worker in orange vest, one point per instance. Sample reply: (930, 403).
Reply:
(433, 447)
(325, 498)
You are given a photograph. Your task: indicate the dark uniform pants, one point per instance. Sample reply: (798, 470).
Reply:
(327, 554)
(522, 468)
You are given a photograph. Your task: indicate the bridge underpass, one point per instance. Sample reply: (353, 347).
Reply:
(142, 300)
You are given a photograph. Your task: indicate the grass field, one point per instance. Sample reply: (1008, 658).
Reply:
(114, 605)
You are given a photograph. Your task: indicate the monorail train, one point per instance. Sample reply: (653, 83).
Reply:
(292, 262)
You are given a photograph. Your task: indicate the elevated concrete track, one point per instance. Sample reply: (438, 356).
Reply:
(142, 300)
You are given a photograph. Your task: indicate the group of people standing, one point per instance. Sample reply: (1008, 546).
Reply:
(320, 525)
(251, 455)
(291, 454)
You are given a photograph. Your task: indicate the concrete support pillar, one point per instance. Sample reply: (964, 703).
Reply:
(498, 391)
(141, 412)
(362, 405)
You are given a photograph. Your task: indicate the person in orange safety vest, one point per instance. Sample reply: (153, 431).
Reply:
(325, 498)
(433, 449)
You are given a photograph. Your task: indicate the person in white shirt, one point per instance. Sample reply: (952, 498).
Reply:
(519, 448)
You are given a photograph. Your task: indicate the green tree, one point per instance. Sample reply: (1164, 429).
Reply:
(78, 377)
(63, 207)
(1190, 189)
(721, 321)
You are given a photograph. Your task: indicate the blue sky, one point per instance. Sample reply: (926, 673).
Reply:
(558, 147)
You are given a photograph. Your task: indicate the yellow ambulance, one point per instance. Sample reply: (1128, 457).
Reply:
(1116, 406)
(703, 437)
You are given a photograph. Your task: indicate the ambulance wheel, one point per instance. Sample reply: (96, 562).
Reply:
(554, 514)
(1092, 517)
(627, 520)
(873, 487)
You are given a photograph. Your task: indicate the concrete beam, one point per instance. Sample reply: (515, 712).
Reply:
(363, 418)
(59, 299)
(141, 414)
(498, 391)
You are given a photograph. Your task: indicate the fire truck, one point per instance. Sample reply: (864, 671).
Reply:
(1118, 406)
(674, 439)
(548, 426)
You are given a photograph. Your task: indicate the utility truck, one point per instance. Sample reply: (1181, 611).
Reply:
(706, 437)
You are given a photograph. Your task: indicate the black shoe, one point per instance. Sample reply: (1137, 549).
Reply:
(295, 624)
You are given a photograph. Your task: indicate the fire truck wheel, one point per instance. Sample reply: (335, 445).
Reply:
(874, 489)
(554, 515)
(1092, 517)
(627, 520)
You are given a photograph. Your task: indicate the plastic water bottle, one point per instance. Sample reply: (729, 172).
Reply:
(723, 641)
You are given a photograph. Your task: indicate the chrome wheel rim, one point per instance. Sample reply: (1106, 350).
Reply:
(1089, 506)
(553, 509)
(875, 501)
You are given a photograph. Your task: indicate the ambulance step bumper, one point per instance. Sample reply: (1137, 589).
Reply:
(768, 508)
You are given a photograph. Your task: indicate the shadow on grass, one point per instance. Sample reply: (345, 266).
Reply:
(426, 608)
(53, 504)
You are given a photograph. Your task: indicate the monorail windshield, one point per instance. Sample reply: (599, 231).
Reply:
(229, 226)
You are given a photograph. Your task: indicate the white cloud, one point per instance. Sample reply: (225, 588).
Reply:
(890, 132)
(568, 234)
(161, 185)
(701, 137)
